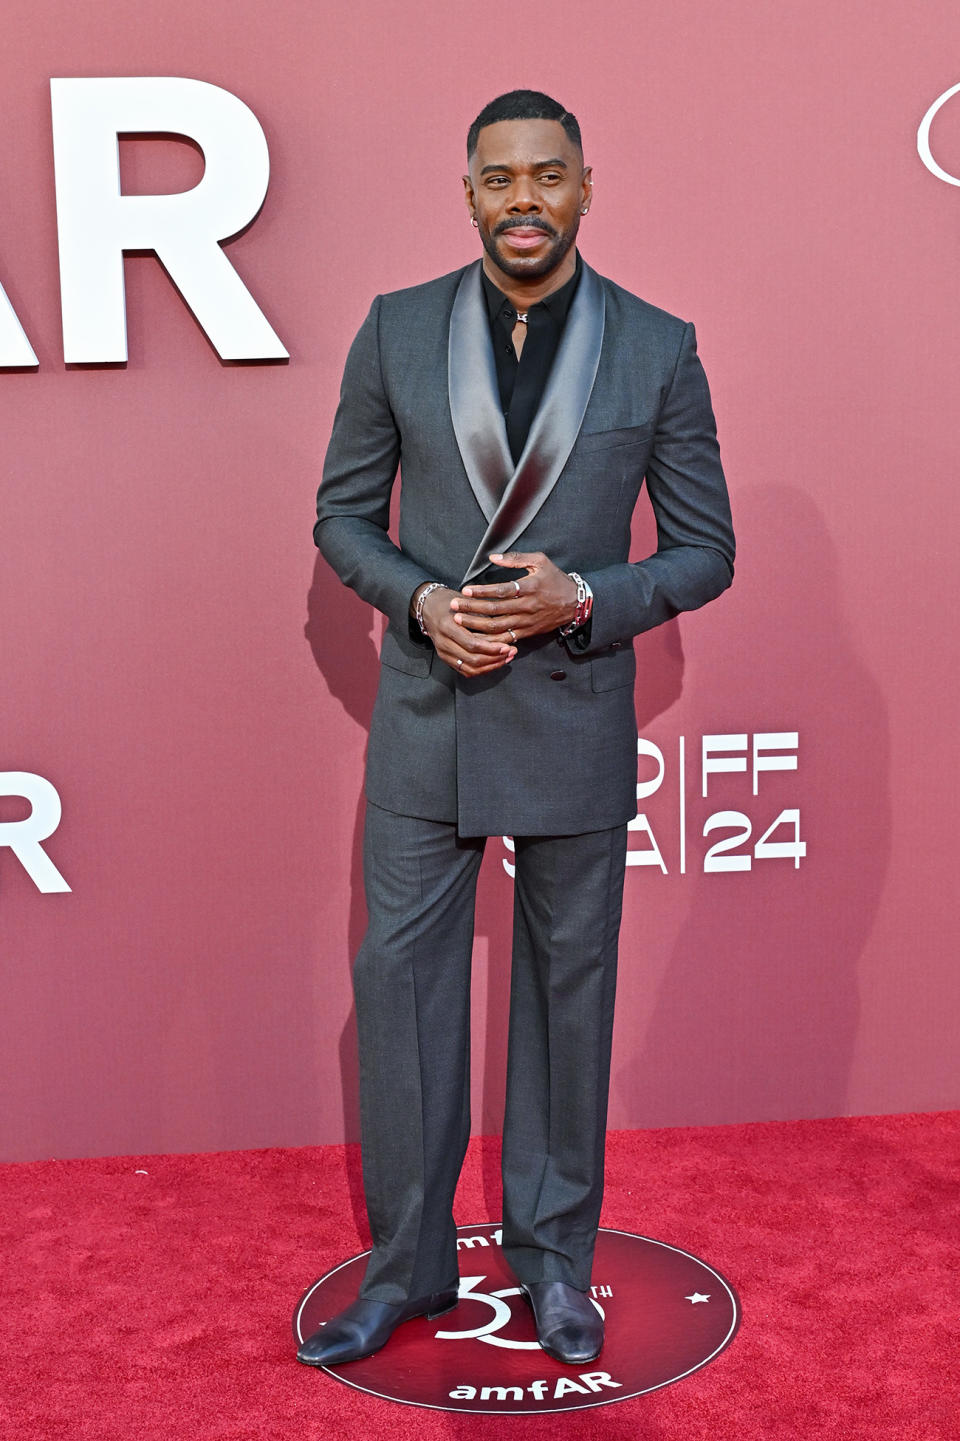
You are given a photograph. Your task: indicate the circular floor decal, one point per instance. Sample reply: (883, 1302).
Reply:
(667, 1314)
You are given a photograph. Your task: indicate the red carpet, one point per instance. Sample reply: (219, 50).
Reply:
(145, 1306)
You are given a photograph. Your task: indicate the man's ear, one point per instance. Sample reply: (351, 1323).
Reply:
(468, 195)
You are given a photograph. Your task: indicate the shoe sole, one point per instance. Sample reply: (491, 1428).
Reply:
(442, 1312)
(570, 1360)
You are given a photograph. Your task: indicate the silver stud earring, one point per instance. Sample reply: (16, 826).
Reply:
(584, 209)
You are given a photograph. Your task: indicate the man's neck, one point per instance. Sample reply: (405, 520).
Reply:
(524, 293)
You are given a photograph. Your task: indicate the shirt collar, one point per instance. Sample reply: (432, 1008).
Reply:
(558, 302)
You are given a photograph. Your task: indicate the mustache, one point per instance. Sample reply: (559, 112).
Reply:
(520, 224)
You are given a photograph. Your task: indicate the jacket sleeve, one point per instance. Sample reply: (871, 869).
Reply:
(353, 502)
(693, 561)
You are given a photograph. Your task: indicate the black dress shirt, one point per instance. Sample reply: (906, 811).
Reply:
(521, 382)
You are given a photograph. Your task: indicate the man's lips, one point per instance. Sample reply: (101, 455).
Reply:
(523, 238)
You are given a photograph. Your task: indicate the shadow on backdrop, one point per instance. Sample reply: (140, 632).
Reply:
(757, 1011)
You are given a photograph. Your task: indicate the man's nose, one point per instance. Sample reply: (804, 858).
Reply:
(524, 198)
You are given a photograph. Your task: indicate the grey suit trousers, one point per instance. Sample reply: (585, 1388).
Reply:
(412, 991)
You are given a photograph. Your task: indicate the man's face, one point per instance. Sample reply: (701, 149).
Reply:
(526, 187)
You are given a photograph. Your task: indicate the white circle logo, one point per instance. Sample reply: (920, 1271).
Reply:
(502, 1316)
(923, 138)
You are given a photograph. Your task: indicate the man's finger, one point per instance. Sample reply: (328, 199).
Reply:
(472, 644)
(475, 648)
(477, 665)
(489, 602)
(513, 560)
(519, 559)
(466, 641)
(481, 624)
(501, 590)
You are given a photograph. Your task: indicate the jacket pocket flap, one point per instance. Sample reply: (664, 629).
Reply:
(613, 667)
(608, 439)
(401, 653)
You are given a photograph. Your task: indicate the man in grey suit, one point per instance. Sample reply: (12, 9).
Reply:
(525, 400)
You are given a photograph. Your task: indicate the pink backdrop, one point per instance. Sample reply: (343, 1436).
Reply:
(197, 687)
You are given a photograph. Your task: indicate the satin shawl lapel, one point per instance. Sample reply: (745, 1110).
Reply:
(475, 397)
(555, 426)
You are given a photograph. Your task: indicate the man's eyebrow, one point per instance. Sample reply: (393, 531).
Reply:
(537, 165)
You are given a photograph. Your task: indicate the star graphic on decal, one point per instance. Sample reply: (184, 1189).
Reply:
(696, 1297)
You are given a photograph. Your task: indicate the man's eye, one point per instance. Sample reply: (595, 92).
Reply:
(497, 180)
(550, 176)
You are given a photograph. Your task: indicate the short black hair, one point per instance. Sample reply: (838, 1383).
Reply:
(523, 105)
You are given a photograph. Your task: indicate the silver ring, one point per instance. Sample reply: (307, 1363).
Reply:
(459, 664)
(517, 584)
(511, 635)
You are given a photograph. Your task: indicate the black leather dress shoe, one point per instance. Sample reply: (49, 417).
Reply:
(365, 1326)
(569, 1326)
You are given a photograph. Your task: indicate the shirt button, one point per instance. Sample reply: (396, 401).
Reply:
(558, 675)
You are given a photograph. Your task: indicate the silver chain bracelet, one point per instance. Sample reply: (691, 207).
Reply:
(584, 604)
(418, 612)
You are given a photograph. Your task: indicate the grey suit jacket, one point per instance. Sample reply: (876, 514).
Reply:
(546, 745)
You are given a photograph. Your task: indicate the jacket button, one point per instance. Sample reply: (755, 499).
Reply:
(616, 645)
(558, 675)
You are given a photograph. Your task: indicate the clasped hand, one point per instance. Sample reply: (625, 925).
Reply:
(476, 630)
